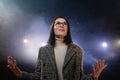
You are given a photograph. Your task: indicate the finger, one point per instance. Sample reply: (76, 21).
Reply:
(103, 64)
(14, 66)
(93, 68)
(100, 63)
(97, 65)
(11, 62)
(9, 57)
(10, 67)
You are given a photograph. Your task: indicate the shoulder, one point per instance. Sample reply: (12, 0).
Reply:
(47, 46)
(44, 49)
(78, 49)
(76, 46)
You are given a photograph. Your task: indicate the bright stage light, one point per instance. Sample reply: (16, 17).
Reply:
(25, 40)
(118, 42)
(43, 44)
(104, 44)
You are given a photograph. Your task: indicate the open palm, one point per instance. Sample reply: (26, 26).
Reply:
(13, 66)
(100, 65)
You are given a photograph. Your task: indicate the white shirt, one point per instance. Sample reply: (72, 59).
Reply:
(60, 52)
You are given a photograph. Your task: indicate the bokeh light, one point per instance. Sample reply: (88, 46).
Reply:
(25, 40)
(104, 45)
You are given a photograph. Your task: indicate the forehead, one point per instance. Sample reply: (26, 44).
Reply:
(60, 19)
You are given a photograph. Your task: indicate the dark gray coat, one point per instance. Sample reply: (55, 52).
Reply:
(46, 66)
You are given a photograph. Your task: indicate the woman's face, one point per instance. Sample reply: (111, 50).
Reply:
(60, 28)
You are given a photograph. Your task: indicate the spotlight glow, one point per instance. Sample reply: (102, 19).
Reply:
(25, 40)
(43, 44)
(104, 44)
(118, 42)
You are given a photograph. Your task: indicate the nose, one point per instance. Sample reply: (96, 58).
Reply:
(61, 24)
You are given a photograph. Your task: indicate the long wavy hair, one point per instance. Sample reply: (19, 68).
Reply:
(68, 38)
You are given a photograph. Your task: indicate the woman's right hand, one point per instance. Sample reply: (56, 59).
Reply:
(13, 66)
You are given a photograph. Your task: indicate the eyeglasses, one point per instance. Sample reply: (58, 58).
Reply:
(60, 23)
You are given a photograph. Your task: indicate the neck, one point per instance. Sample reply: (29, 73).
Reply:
(60, 37)
(59, 41)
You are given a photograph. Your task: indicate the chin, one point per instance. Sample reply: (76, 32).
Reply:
(61, 35)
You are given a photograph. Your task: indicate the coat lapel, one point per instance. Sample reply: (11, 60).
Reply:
(51, 55)
(70, 52)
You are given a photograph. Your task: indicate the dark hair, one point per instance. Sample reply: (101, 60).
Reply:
(68, 38)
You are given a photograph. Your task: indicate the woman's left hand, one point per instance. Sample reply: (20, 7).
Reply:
(100, 65)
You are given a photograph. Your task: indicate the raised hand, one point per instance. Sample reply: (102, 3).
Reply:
(100, 65)
(13, 66)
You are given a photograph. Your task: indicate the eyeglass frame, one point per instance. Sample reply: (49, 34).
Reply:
(60, 23)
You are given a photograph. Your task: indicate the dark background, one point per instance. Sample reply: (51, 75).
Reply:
(92, 22)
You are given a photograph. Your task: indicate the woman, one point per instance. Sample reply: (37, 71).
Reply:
(60, 59)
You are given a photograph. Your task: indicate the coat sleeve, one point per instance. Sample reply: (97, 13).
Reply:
(80, 66)
(37, 74)
(87, 77)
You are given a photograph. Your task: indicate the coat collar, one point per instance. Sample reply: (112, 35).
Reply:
(70, 52)
(51, 55)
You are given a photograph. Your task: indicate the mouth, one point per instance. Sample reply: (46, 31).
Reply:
(62, 30)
